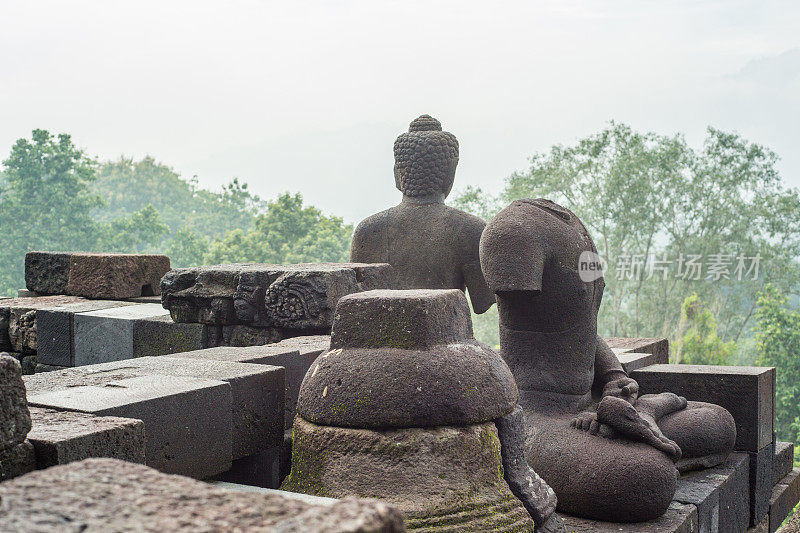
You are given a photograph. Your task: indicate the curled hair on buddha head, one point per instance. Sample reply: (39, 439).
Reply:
(425, 158)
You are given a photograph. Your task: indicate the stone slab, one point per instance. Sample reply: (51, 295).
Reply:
(731, 480)
(56, 330)
(295, 354)
(746, 392)
(40, 368)
(139, 330)
(761, 482)
(785, 496)
(112, 495)
(16, 461)
(61, 437)
(95, 275)
(23, 305)
(256, 391)
(308, 498)
(679, 518)
(631, 361)
(187, 420)
(656, 346)
(783, 462)
(299, 297)
(705, 497)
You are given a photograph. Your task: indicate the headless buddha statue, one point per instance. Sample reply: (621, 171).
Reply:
(607, 453)
(430, 245)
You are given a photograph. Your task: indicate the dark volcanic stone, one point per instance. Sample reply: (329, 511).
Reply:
(655, 346)
(731, 481)
(101, 275)
(405, 359)
(115, 496)
(429, 244)
(679, 518)
(746, 392)
(15, 419)
(784, 498)
(760, 482)
(300, 297)
(61, 437)
(257, 391)
(783, 462)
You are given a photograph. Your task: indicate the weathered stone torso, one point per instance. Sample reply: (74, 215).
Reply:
(430, 246)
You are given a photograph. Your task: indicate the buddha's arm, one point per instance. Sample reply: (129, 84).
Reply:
(607, 368)
(480, 294)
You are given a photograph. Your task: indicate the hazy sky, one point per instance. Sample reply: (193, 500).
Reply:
(309, 96)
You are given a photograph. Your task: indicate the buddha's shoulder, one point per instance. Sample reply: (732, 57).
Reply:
(467, 222)
(374, 222)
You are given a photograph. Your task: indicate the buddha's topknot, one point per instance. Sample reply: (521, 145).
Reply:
(425, 123)
(425, 158)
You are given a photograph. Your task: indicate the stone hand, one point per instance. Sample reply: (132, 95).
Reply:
(626, 420)
(625, 388)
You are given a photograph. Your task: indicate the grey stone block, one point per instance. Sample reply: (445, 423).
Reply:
(731, 480)
(760, 482)
(656, 346)
(785, 496)
(631, 361)
(256, 390)
(187, 420)
(16, 461)
(108, 334)
(159, 335)
(783, 462)
(61, 437)
(295, 355)
(20, 306)
(679, 518)
(746, 392)
(56, 329)
(705, 497)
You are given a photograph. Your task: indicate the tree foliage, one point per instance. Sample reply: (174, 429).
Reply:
(651, 200)
(700, 344)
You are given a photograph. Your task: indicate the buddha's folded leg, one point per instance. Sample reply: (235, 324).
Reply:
(705, 432)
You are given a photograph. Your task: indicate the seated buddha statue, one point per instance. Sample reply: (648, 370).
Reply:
(608, 453)
(429, 244)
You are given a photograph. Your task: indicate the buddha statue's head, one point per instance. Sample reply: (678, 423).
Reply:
(425, 159)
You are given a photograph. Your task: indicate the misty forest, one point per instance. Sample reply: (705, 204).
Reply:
(700, 243)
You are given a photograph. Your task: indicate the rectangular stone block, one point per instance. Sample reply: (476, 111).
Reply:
(783, 462)
(298, 297)
(102, 275)
(294, 354)
(731, 480)
(785, 496)
(187, 421)
(55, 328)
(631, 361)
(704, 496)
(657, 347)
(257, 408)
(747, 392)
(61, 437)
(140, 330)
(679, 518)
(21, 306)
(760, 482)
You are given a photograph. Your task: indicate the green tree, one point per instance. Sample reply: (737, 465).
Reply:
(137, 233)
(778, 344)
(287, 232)
(45, 202)
(700, 344)
(187, 248)
(647, 197)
